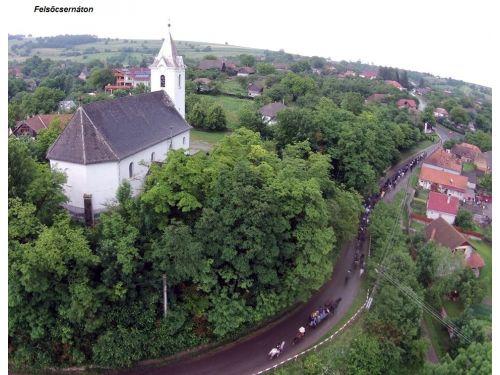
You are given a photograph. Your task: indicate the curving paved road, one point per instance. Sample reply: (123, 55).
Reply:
(249, 355)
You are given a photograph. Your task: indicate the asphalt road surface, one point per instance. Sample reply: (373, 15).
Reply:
(249, 355)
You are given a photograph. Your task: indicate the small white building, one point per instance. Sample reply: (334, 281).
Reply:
(441, 205)
(109, 142)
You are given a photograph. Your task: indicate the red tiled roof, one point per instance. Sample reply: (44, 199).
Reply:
(410, 103)
(441, 111)
(475, 261)
(448, 180)
(443, 203)
(40, 122)
(396, 84)
(368, 74)
(444, 159)
(445, 234)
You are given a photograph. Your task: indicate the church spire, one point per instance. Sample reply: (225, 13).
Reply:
(168, 52)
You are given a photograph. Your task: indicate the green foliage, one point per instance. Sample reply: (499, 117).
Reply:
(297, 85)
(252, 120)
(43, 100)
(485, 182)
(353, 102)
(45, 139)
(99, 78)
(120, 93)
(247, 60)
(265, 68)
(459, 115)
(464, 219)
(475, 360)
(480, 139)
(34, 182)
(204, 113)
(367, 356)
(300, 66)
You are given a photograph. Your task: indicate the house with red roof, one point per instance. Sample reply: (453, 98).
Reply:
(442, 205)
(368, 75)
(128, 78)
(442, 182)
(475, 262)
(466, 152)
(407, 103)
(440, 113)
(31, 126)
(395, 84)
(444, 234)
(443, 160)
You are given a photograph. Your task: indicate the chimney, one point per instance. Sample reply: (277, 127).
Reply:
(88, 212)
(433, 234)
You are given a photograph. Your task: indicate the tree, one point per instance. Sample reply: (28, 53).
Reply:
(294, 125)
(459, 115)
(480, 139)
(297, 85)
(353, 102)
(464, 219)
(475, 360)
(252, 119)
(367, 356)
(215, 118)
(99, 78)
(485, 183)
(265, 68)
(247, 60)
(43, 100)
(45, 138)
(300, 66)
(120, 93)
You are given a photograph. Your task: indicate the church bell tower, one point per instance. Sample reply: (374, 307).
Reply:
(168, 74)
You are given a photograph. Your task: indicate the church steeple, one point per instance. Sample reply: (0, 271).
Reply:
(168, 73)
(168, 53)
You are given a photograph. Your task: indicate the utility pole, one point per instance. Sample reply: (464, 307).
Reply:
(165, 304)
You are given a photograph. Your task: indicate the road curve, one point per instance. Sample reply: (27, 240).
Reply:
(249, 355)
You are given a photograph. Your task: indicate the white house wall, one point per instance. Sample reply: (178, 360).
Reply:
(431, 214)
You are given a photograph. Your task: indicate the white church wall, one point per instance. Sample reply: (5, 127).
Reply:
(99, 179)
(142, 160)
(172, 87)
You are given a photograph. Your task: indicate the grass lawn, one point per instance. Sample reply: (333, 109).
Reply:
(233, 87)
(438, 335)
(418, 226)
(422, 194)
(468, 167)
(453, 309)
(484, 249)
(207, 136)
(232, 107)
(418, 207)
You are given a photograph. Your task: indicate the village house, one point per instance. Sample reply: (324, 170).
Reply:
(347, 73)
(245, 71)
(128, 78)
(440, 113)
(66, 105)
(270, 111)
(466, 152)
(84, 74)
(395, 84)
(443, 182)
(483, 162)
(368, 74)
(109, 142)
(442, 160)
(442, 205)
(255, 89)
(203, 84)
(217, 64)
(280, 67)
(407, 103)
(449, 237)
(31, 126)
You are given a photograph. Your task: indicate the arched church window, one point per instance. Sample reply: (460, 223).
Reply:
(183, 140)
(152, 156)
(179, 81)
(162, 81)
(131, 169)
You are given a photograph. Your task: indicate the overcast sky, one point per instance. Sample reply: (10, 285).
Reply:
(446, 38)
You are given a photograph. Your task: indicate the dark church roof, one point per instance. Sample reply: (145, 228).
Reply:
(114, 129)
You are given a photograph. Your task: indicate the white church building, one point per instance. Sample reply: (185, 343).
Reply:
(109, 142)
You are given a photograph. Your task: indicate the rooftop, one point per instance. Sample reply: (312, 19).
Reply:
(451, 181)
(443, 203)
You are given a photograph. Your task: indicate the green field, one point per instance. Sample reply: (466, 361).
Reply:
(438, 335)
(231, 86)
(113, 47)
(232, 107)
